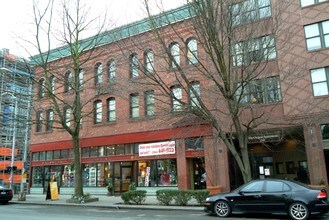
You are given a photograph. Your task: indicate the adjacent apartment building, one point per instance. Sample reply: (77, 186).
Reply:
(136, 134)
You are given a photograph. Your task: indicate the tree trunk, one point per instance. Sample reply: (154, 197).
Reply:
(78, 186)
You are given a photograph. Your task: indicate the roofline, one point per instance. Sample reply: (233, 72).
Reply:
(123, 32)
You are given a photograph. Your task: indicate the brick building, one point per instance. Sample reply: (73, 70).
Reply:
(129, 119)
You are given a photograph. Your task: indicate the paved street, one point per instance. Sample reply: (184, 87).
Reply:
(22, 211)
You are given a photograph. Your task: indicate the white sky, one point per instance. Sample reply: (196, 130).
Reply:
(16, 18)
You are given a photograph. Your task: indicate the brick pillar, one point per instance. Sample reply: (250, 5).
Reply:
(182, 173)
(216, 160)
(315, 155)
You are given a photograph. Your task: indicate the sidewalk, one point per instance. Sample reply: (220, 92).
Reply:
(106, 201)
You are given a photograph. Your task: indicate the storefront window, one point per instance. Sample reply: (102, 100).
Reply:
(194, 143)
(110, 150)
(129, 149)
(57, 154)
(101, 151)
(35, 156)
(157, 173)
(49, 155)
(42, 155)
(85, 152)
(68, 176)
(37, 176)
(93, 151)
(119, 149)
(89, 175)
(64, 154)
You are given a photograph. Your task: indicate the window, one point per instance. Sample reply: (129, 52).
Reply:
(320, 81)
(325, 131)
(175, 55)
(111, 109)
(258, 49)
(194, 93)
(253, 187)
(68, 82)
(41, 88)
(317, 35)
(134, 105)
(98, 74)
(133, 62)
(194, 143)
(111, 71)
(192, 51)
(258, 91)
(276, 186)
(249, 11)
(81, 79)
(39, 122)
(176, 103)
(52, 84)
(305, 3)
(50, 119)
(149, 103)
(149, 61)
(98, 112)
(67, 116)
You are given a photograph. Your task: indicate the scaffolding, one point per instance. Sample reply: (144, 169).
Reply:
(16, 80)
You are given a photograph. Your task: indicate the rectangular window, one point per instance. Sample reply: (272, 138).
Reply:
(320, 81)
(305, 3)
(266, 90)
(49, 155)
(50, 119)
(194, 94)
(317, 35)
(119, 149)
(98, 112)
(39, 122)
(149, 103)
(134, 105)
(110, 150)
(194, 143)
(249, 11)
(255, 50)
(85, 152)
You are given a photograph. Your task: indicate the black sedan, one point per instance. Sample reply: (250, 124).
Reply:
(5, 195)
(271, 196)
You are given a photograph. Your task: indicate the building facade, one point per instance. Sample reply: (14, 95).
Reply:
(15, 112)
(132, 136)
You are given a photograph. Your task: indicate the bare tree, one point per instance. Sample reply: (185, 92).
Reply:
(230, 55)
(63, 88)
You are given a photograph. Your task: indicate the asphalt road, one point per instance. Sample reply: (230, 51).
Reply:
(14, 211)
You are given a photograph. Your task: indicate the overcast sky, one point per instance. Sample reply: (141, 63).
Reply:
(16, 18)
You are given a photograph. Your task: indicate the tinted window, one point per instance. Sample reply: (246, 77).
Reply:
(276, 186)
(253, 187)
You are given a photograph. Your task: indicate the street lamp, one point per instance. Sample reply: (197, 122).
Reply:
(14, 140)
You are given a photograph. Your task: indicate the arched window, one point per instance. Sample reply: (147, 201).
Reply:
(49, 120)
(149, 61)
(68, 82)
(134, 105)
(98, 112)
(194, 93)
(39, 117)
(98, 74)
(192, 51)
(111, 71)
(52, 84)
(111, 109)
(176, 98)
(67, 116)
(175, 55)
(133, 65)
(41, 88)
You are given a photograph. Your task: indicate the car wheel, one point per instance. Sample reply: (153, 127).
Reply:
(298, 211)
(222, 208)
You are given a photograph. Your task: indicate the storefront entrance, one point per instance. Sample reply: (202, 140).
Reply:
(122, 176)
(198, 175)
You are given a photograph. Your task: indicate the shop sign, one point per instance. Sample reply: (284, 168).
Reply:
(160, 148)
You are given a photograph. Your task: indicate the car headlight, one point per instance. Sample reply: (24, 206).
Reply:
(207, 199)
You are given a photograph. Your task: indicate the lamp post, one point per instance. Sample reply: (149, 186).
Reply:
(14, 140)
